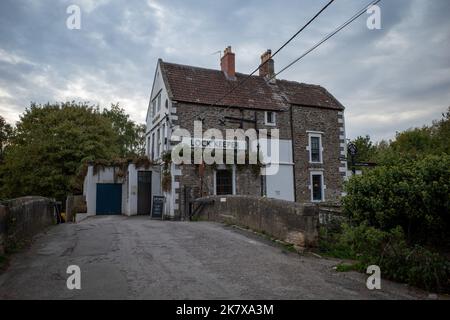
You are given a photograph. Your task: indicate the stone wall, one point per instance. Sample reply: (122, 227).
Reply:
(288, 221)
(331, 216)
(22, 218)
(187, 113)
(330, 123)
(3, 211)
(246, 182)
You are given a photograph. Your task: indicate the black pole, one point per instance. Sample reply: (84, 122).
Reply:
(353, 165)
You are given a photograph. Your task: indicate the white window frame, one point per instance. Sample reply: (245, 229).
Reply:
(156, 104)
(163, 136)
(233, 178)
(154, 108)
(159, 102)
(158, 143)
(153, 146)
(266, 122)
(309, 148)
(322, 183)
(149, 139)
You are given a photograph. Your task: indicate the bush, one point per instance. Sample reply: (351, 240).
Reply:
(415, 265)
(413, 195)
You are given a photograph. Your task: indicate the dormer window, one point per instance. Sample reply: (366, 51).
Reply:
(270, 118)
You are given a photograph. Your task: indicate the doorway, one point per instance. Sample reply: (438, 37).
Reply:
(144, 192)
(109, 198)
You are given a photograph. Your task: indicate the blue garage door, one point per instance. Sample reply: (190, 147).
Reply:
(109, 198)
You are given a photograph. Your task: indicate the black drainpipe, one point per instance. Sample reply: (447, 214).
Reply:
(293, 153)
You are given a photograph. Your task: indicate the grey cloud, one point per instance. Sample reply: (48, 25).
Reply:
(389, 79)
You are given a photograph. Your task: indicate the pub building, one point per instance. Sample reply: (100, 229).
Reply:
(310, 123)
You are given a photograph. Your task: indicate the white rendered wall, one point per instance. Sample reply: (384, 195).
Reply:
(281, 184)
(157, 88)
(129, 190)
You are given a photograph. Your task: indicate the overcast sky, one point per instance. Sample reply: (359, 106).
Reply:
(388, 80)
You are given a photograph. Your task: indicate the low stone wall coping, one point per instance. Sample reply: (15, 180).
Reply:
(22, 218)
(295, 223)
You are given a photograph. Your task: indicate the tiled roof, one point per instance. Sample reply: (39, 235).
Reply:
(308, 95)
(206, 86)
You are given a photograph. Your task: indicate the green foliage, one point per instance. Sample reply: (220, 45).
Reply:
(166, 180)
(441, 134)
(48, 146)
(409, 145)
(413, 195)
(6, 132)
(413, 144)
(131, 136)
(344, 267)
(399, 208)
(414, 265)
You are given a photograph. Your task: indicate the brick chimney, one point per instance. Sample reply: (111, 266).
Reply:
(227, 63)
(268, 69)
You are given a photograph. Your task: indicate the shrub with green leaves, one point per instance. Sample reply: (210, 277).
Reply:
(414, 195)
(389, 250)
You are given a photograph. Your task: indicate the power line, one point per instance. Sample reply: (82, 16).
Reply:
(273, 55)
(326, 38)
(276, 52)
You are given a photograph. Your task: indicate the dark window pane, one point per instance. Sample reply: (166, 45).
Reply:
(270, 117)
(145, 176)
(315, 149)
(224, 182)
(317, 187)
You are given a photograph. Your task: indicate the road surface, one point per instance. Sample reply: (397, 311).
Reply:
(139, 258)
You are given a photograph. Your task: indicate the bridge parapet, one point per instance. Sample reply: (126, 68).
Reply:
(291, 222)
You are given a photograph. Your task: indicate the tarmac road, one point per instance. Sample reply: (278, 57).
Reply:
(139, 258)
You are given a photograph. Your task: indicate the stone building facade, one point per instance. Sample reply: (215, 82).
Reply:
(309, 119)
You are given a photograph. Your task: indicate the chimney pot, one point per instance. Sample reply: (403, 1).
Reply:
(227, 63)
(268, 69)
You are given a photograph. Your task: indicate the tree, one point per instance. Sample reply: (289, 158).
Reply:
(413, 143)
(131, 135)
(6, 132)
(140, 139)
(416, 143)
(50, 143)
(441, 134)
